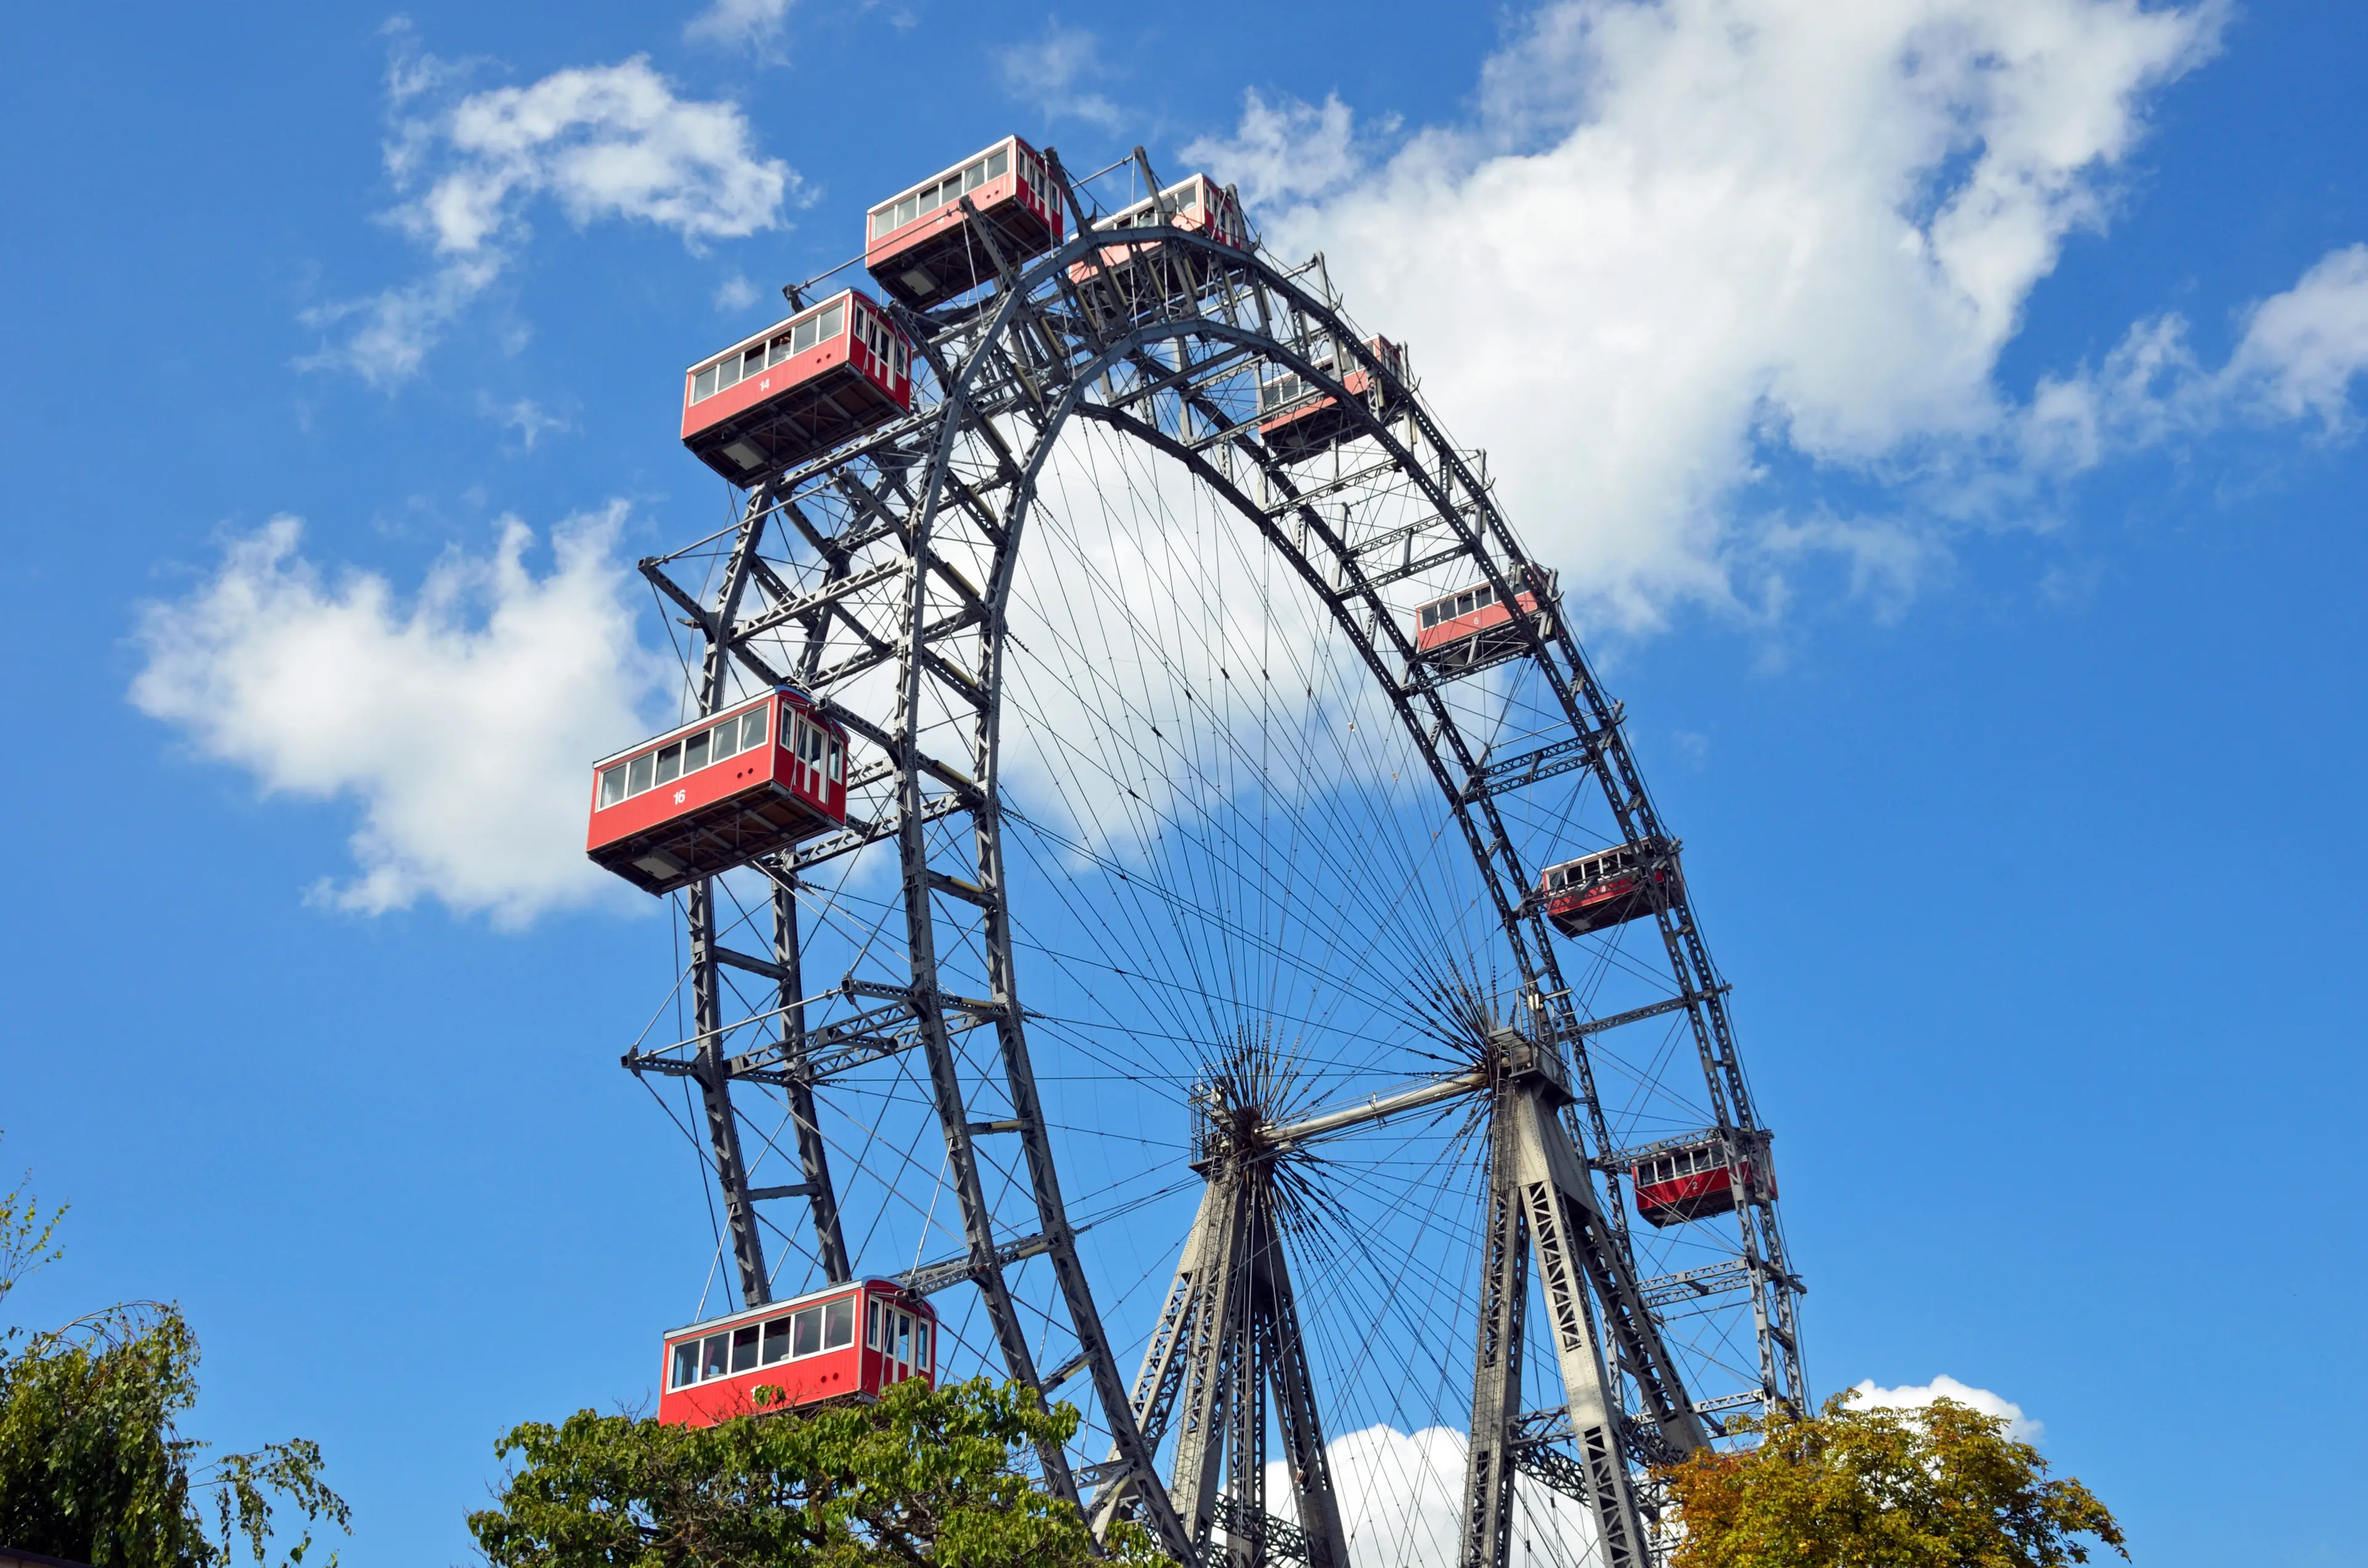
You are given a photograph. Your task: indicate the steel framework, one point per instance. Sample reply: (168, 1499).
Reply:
(910, 537)
(1228, 1335)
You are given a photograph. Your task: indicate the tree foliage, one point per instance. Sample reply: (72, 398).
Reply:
(1943, 1486)
(923, 1476)
(93, 1466)
(25, 1234)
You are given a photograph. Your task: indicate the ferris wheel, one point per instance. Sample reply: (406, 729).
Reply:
(1172, 918)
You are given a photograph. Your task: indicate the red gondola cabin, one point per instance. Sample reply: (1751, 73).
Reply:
(921, 248)
(1196, 204)
(1298, 419)
(801, 386)
(848, 1342)
(1693, 1181)
(1608, 886)
(1472, 627)
(709, 795)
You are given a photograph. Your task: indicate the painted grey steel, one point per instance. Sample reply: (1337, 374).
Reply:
(895, 516)
(1228, 1338)
(1543, 1209)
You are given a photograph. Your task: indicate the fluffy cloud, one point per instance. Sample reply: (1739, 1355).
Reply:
(528, 418)
(606, 142)
(1687, 234)
(609, 141)
(1916, 1396)
(739, 24)
(463, 722)
(384, 337)
(734, 293)
(1401, 1496)
(1053, 72)
(2303, 349)
(1286, 151)
(2296, 358)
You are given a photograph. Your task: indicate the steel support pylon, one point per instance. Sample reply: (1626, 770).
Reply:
(1227, 1341)
(1542, 1209)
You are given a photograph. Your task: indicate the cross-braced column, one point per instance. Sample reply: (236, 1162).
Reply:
(1542, 1209)
(1226, 1344)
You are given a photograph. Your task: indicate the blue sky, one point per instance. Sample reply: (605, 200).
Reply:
(1945, 417)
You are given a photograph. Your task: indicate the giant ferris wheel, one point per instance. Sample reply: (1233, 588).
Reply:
(1172, 918)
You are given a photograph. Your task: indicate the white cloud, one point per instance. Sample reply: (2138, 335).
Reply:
(1888, 560)
(610, 142)
(392, 331)
(2302, 349)
(739, 24)
(1282, 153)
(1053, 72)
(1400, 1492)
(463, 722)
(1401, 1496)
(523, 414)
(606, 142)
(1916, 1396)
(2296, 358)
(1122, 726)
(734, 293)
(1687, 234)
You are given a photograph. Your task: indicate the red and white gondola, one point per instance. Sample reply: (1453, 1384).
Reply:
(850, 1342)
(1298, 419)
(1123, 276)
(711, 795)
(802, 386)
(1694, 1181)
(921, 248)
(1471, 626)
(1609, 887)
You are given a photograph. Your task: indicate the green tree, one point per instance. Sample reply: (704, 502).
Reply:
(923, 1476)
(92, 1466)
(1940, 1487)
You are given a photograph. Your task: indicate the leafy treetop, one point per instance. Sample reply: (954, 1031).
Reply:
(924, 1476)
(1939, 1487)
(92, 1466)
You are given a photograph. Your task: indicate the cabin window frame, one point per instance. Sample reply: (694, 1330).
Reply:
(745, 740)
(755, 1332)
(801, 334)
